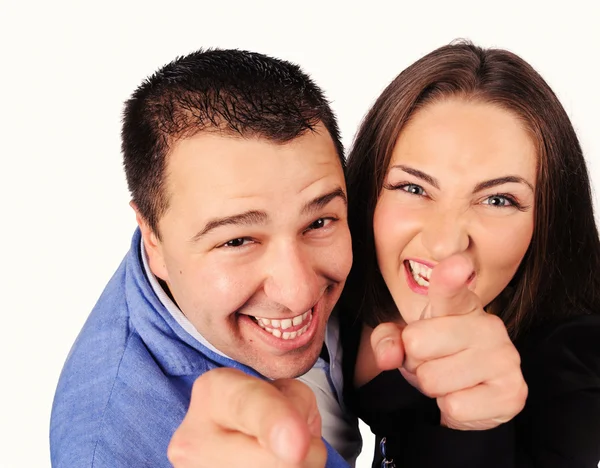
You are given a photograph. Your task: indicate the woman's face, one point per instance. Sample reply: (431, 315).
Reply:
(461, 179)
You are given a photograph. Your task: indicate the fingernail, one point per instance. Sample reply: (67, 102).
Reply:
(281, 440)
(384, 346)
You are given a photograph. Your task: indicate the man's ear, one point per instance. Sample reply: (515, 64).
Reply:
(152, 245)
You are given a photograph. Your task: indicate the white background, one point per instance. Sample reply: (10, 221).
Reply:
(65, 70)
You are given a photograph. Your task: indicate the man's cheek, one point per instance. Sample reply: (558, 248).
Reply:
(231, 290)
(338, 259)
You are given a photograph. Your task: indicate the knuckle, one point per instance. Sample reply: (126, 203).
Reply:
(427, 379)
(308, 395)
(411, 338)
(516, 356)
(210, 380)
(242, 399)
(512, 358)
(522, 395)
(514, 390)
(519, 389)
(411, 366)
(507, 360)
(321, 452)
(495, 325)
(297, 389)
(452, 406)
(317, 456)
(473, 303)
(201, 386)
(178, 450)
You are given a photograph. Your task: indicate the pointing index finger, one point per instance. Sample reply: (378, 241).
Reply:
(239, 402)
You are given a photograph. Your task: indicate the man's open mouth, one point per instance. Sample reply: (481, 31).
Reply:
(286, 328)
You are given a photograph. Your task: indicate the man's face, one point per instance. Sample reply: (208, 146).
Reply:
(255, 246)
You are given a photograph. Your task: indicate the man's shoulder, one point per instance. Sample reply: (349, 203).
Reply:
(119, 410)
(109, 388)
(139, 417)
(95, 356)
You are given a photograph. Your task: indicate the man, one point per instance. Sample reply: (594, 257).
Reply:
(236, 172)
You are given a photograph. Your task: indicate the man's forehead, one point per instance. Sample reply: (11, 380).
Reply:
(224, 173)
(217, 159)
(295, 196)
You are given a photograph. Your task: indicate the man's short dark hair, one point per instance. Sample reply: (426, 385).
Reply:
(234, 92)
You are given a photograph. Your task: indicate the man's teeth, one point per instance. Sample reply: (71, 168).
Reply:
(275, 326)
(420, 273)
(284, 323)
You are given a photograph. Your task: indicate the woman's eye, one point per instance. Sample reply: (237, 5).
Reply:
(413, 189)
(498, 201)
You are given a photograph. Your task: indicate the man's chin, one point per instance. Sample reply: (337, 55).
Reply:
(288, 368)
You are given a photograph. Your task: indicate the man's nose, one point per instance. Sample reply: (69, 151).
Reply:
(292, 280)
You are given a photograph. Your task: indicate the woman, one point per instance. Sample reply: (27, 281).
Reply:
(468, 152)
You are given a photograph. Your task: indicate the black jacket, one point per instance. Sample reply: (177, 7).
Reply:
(559, 427)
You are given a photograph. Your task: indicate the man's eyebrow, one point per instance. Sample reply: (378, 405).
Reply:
(247, 218)
(419, 174)
(322, 200)
(501, 180)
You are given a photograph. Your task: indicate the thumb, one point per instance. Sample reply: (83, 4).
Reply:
(450, 288)
(387, 346)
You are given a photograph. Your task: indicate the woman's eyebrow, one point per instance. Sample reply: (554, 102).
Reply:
(478, 188)
(419, 174)
(502, 180)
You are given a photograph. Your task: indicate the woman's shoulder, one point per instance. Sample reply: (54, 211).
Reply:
(560, 424)
(562, 357)
(580, 333)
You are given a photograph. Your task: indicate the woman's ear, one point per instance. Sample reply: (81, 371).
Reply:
(152, 245)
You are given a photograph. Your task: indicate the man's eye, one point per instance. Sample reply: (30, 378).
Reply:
(413, 189)
(320, 223)
(236, 242)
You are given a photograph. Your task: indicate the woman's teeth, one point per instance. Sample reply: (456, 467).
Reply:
(420, 273)
(276, 327)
